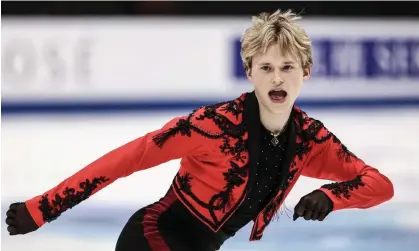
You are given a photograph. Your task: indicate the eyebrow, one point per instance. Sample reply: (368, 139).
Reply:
(286, 62)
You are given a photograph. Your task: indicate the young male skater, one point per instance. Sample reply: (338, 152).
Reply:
(239, 159)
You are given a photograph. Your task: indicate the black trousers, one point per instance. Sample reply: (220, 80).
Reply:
(167, 226)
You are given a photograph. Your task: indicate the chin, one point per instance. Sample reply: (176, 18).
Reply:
(281, 107)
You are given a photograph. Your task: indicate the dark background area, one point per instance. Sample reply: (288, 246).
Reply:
(395, 9)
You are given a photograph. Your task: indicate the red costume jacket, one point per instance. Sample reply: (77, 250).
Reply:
(219, 146)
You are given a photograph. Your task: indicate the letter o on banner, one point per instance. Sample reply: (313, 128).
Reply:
(18, 62)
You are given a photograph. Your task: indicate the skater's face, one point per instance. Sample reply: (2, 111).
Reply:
(277, 78)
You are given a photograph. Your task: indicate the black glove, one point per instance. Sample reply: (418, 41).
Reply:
(19, 220)
(314, 206)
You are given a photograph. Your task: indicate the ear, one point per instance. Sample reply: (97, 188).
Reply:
(307, 73)
(249, 73)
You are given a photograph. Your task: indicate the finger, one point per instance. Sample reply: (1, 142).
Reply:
(309, 208)
(301, 206)
(321, 216)
(14, 206)
(295, 216)
(315, 215)
(10, 214)
(298, 211)
(314, 210)
(304, 204)
(307, 214)
(10, 221)
(12, 230)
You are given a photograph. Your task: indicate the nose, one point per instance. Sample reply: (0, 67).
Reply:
(277, 79)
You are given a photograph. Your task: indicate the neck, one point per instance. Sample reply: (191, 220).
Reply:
(272, 121)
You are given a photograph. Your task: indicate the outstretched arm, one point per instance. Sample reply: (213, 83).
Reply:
(357, 185)
(140, 154)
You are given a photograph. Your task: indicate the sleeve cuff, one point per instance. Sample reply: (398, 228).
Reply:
(337, 203)
(32, 206)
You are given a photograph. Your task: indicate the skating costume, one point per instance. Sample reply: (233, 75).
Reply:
(169, 220)
(222, 164)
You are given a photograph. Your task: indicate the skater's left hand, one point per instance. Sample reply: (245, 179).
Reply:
(314, 206)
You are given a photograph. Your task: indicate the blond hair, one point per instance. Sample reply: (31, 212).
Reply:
(277, 28)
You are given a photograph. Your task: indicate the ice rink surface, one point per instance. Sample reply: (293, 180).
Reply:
(40, 151)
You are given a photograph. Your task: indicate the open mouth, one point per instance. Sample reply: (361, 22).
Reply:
(277, 96)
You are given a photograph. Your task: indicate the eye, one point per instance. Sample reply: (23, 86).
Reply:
(266, 68)
(287, 68)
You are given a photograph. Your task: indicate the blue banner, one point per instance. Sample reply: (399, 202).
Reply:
(363, 58)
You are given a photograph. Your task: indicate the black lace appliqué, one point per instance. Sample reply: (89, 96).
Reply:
(183, 126)
(235, 150)
(228, 127)
(233, 108)
(185, 182)
(342, 189)
(233, 144)
(343, 153)
(229, 130)
(313, 132)
(52, 208)
(302, 149)
(234, 177)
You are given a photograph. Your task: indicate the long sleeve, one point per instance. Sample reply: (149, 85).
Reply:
(357, 185)
(142, 153)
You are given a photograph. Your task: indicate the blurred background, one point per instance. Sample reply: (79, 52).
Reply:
(82, 78)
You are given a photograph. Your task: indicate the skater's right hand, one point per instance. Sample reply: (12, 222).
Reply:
(19, 220)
